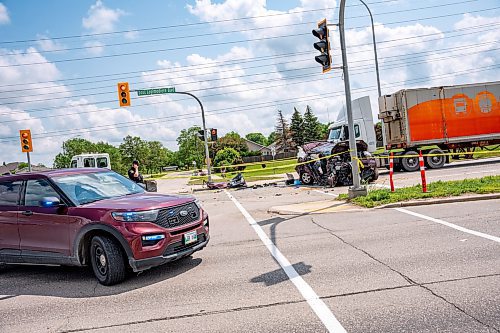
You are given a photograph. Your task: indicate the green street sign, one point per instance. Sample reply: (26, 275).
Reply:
(157, 91)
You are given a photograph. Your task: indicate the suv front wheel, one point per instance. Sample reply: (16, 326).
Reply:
(107, 260)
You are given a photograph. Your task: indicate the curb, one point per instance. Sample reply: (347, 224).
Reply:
(426, 202)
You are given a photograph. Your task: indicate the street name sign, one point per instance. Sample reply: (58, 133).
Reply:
(156, 91)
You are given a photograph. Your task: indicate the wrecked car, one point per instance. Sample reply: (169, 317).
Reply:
(334, 170)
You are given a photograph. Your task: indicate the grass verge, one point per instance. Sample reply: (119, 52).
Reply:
(440, 189)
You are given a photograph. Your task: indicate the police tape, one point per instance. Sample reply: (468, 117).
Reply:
(252, 163)
(360, 163)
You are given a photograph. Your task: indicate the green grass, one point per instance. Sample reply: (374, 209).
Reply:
(489, 184)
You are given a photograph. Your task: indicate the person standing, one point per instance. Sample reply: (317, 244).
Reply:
(133, 172)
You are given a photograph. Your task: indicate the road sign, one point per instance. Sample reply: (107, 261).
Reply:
(156, 91)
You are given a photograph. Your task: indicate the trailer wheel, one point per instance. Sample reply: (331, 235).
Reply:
(435, 162)
(410, 164)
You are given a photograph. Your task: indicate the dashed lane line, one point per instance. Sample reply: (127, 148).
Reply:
(448, 224)
(317, 305)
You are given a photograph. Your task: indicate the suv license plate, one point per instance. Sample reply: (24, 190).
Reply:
(190, 237)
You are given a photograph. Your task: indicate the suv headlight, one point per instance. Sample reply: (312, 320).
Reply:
(198, 203)
(143, 216)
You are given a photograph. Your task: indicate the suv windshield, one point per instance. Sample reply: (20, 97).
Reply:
(89, 187)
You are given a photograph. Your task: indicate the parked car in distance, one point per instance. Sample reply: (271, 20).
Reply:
(97, 218)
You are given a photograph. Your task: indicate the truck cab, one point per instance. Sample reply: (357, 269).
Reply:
(363, 124)
(92, 160)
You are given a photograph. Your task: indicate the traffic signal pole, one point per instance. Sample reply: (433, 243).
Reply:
(356, 189)
(205, 139)
(29, 161)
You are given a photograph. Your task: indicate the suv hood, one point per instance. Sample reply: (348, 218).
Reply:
(141, 201)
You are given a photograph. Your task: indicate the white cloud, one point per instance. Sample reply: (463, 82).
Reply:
(131, 34)
(24, 79)
(4, 14)
(101, 19)
(94, 47)
(47, 44)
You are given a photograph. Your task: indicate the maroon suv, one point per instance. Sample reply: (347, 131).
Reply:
(95, 217)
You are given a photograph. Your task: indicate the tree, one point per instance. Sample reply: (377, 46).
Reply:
(158, 156)
(323, 130)
(271, 138)
(133, 148)
(311, 126)
(227, 156)
(257, 138)
(190, 148)
(296, 128)
(71, 148)
(283, 134)
(230, 140)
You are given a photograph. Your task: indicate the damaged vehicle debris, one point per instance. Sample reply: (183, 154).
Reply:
(335, 170)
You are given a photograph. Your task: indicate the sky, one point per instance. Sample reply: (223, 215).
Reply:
(60, 63)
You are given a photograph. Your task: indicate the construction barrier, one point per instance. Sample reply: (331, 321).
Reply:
(391, 171)
(422, 172)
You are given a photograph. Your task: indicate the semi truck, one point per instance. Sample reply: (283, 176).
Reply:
(436, 121)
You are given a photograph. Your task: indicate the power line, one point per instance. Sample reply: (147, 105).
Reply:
(190, 24)
(154, 120)
(237, 61)
(226, 32)
(233, 77)
(217, 44)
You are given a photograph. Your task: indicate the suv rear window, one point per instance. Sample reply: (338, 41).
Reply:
(9, 193)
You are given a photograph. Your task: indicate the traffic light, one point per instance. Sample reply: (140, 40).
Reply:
(323, 46)
(123, 94)
(201, 135)
(213, 134)
(26, 144)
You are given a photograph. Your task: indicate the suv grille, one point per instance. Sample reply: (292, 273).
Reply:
(177, 216)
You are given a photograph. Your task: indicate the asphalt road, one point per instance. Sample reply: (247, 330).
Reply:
(364, 271)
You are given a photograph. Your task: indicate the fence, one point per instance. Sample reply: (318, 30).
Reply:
(263, 158)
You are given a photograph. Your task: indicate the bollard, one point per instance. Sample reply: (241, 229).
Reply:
(391, 171)
(422, 172)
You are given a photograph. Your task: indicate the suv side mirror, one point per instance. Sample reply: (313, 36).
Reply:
(50, 202)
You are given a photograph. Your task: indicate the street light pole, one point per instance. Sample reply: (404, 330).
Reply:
(356, 189)
(376, 64)
(209, 172)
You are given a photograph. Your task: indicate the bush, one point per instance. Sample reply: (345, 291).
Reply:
(227, 156)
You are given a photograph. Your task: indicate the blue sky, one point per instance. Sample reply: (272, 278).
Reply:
(224, 52)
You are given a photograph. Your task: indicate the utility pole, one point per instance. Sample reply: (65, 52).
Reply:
(356, 189)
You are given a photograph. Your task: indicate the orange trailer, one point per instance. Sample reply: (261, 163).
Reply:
(451, 118)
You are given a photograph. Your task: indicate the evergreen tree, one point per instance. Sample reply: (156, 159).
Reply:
(311, 128)
(283, 134)
(296, 128)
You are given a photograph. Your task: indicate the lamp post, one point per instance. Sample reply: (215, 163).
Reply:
(376, 64)
(356, 189)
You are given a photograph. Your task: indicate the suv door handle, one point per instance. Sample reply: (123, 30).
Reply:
(27, 213)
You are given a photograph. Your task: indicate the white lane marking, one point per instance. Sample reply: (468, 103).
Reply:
(323, 192)
(317, 305)
(451, 225)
